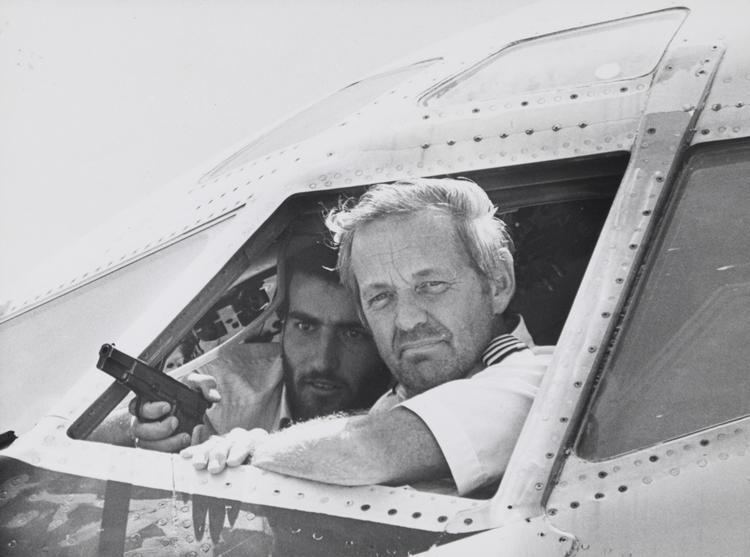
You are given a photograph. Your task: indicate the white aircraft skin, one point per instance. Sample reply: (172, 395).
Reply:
(676, 80)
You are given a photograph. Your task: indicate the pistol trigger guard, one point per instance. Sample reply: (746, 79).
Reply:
(138, 409)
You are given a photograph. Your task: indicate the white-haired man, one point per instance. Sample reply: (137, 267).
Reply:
(430, 267)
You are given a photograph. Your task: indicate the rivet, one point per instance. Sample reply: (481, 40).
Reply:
(549, 455)
(538, 486)
(475, 110)
(468, 521)
(705, 131)
(574, 504)
(582, 125)
(564, 419)
(592, 349)
(653, 458)
(577, 384)
(426, 117)
(451, 142)
(646, 213)
(524, 103)
(416, 514)
(426, 146)
(622, 488)
(392, 511)
(442, 518)
(606, 314)
(552, 511)
(704, 442)
(574, 96)
(503, 135)
(599, 496)
(659, 179)
(556, 127)
(647, 480)
(602, 474)
(623, 89)
(716, 107)
(365, 507)
(740, 104)
(317, 537)
(477, 138)
(529, 132)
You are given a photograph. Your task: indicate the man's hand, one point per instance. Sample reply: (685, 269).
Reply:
(230, 450)
(153, 428)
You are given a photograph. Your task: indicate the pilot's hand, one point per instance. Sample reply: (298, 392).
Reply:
(230, 450)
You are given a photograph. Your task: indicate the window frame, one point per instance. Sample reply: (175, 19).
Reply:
(542, 454)
(625, 322)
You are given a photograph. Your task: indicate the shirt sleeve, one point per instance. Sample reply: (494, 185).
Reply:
(476, 421)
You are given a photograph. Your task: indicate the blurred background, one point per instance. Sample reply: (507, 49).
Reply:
(102, 101)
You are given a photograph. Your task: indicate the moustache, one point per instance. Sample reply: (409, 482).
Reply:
(425, 332)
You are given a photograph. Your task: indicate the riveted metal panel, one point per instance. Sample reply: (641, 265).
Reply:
(688, 496)
(402, 506)
(661, 137)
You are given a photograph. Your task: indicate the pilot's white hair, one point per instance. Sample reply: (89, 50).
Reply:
(484, 236)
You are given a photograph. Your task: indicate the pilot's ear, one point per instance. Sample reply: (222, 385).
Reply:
(504, 286)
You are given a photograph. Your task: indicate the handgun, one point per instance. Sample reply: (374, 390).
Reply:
(151, 385)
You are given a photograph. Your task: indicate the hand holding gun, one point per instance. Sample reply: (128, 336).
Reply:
(165, 411)
(150, 385)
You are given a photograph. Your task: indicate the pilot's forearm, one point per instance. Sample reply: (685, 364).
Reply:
(392, 447)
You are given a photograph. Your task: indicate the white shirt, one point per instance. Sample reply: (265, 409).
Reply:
(476, 421)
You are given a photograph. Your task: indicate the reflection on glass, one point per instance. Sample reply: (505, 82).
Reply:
(599, 53)
(318, 117)
(681, 364)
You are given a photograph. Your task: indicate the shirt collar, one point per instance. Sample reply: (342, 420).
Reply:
(500, 348)
(504, 345)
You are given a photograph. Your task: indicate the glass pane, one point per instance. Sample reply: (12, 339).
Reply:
(681, 364)
(599, 53)
(318, 117)
(51, 346)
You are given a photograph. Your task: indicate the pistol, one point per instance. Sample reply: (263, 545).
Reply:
(151, 385)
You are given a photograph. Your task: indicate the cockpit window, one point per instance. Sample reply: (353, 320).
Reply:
(596, 54)
(74, 326)
(681, 362)
(319, 117)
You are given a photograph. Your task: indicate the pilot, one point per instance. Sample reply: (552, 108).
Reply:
(327, 363)
(431, 269)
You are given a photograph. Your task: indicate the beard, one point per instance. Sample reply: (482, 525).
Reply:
(307, 402)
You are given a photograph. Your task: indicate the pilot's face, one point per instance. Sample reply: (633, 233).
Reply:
(330, 360)
(430, 312)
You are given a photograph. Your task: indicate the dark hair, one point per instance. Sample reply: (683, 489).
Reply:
(316, 260)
